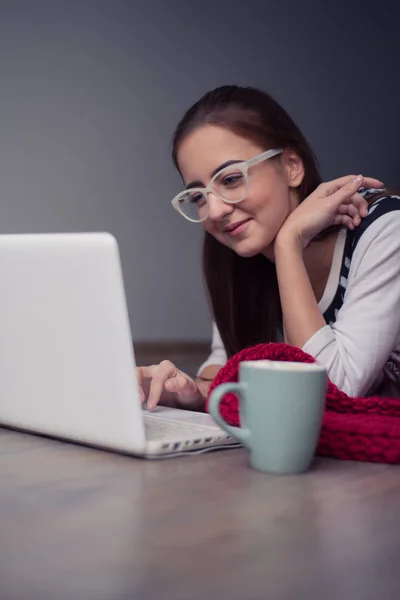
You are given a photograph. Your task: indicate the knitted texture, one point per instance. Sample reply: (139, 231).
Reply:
(363, 429)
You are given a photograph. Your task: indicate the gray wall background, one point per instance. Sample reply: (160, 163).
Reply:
(90, 92)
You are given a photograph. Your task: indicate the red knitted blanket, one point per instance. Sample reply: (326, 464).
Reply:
(364, 429)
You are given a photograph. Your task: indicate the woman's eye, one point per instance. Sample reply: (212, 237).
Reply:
(197, 199)
(233, 179)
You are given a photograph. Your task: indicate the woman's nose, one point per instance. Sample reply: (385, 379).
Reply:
(217, 208)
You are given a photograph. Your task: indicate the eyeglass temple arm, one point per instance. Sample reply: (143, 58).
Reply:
(264, 156)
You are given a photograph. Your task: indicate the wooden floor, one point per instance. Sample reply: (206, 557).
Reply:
(83, 524)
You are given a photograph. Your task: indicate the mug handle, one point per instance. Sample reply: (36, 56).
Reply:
(243, 435)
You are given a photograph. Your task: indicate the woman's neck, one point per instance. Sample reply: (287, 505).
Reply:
(318, 258)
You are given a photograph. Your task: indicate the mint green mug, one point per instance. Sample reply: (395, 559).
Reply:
(281, 407)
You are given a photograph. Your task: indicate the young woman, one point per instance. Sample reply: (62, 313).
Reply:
(286, 257)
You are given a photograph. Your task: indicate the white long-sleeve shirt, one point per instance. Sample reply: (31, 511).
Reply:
(361, 347)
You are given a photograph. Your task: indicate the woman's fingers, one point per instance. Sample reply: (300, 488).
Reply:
(351, 206)
(356, 207)
(372, 182)
(348, 209)
(164, 371)
(164, 377)
(351, 181)
(142, 374)
(344, 220)
(182, 385)
(152, 378)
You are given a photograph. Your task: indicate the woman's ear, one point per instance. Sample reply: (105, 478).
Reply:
(294, 168)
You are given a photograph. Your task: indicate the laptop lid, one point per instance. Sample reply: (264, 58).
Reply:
(67, 365)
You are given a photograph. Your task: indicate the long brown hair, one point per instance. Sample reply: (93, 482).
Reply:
(243, 292)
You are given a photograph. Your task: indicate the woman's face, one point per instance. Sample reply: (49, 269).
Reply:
(250, 226)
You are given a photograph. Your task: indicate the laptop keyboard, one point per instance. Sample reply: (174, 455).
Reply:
(165, 429)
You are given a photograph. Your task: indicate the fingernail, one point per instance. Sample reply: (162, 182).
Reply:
(358, 179)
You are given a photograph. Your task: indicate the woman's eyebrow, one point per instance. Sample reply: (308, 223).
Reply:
(198, 183)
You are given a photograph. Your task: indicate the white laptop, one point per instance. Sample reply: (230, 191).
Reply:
(67, 365)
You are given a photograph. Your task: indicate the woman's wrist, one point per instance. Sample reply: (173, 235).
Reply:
(288, 241)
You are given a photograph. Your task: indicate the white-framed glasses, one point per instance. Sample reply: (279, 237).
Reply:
(230, 184)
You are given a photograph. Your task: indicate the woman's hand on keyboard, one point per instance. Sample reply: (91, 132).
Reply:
(166, 382)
